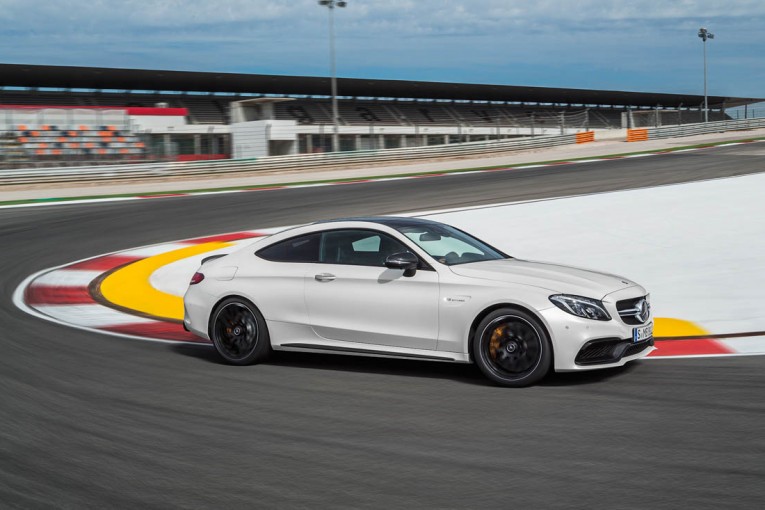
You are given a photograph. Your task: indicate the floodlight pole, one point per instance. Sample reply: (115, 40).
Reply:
(704, 34)
(331, 4)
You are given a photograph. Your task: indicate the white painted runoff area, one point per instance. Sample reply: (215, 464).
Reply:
(699, 247)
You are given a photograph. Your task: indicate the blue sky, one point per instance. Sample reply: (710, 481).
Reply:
(641, 45)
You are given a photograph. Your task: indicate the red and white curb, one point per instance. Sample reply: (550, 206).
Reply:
(67, 295)
(361, 180)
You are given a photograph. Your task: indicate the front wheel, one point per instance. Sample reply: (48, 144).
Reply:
(239, 332)
(511, 348)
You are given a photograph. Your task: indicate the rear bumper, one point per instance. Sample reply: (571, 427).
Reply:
(196, 312)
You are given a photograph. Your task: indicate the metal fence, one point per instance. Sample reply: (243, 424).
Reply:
(704, 128)
(274, 163)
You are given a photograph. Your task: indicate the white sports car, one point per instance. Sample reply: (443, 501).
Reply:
(414, 288)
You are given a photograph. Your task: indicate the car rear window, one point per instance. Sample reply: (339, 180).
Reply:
(298, 249)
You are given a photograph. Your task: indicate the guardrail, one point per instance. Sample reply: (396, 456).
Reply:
(300, 161)
(636, 135)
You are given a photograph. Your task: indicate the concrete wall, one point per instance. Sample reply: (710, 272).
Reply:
(251, 139)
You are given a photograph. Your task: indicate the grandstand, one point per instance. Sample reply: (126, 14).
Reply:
(71, 115)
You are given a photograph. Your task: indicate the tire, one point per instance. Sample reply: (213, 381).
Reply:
(239, 332)
(512, 348)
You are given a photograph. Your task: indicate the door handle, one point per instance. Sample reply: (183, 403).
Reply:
(324, 277)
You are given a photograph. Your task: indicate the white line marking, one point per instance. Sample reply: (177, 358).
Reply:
(71, 202)
(689, 356)
(316, 185)
(203, 193)
(157, 249)
(68, 278)
(92, 316)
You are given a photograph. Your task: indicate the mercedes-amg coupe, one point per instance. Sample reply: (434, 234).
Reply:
(414, 288)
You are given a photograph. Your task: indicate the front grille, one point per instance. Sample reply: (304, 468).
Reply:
(609, 350)
(627, 309)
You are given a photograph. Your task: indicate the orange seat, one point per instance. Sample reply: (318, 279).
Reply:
(90, 145)
(72, 133)
(21, 127)
(84, 128)
(139, 144)
(62, 139)
(123, 151)
(45, 127)
(23, 139)
(102, 151)
(43, 145)
(35, 133)
(56, 152)
(40, 152)
(111, 128)
(121, 139)
(74, 145)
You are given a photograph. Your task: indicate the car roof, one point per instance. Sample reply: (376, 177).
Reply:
(389, 221)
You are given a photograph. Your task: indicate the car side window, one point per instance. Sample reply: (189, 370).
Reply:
(298, 249)
(358, 247)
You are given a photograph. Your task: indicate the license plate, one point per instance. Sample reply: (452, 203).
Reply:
(642, 333)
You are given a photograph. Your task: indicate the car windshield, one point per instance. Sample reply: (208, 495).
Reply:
(449, 245)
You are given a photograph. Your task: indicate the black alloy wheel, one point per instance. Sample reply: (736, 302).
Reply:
(239, 332)
(511, 348)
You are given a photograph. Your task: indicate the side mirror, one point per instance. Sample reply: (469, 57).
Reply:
(405, 260)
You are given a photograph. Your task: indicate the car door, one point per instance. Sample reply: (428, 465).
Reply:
(353, 297)
(277, 282)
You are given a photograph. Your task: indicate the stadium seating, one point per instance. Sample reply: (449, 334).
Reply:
(214, 109)
(85, 142)
(204, 110)
(357, 112)
(304, 112)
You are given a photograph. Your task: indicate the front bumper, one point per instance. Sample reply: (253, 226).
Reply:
(585, 344)
(607, 351)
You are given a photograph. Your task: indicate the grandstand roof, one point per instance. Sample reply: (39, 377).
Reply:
(66, 77)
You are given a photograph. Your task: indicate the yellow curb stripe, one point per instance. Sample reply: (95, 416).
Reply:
(129, 287)
(667, 327)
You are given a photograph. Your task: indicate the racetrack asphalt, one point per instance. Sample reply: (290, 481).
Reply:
(91, 421)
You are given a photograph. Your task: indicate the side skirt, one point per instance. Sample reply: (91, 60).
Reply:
(362, 352)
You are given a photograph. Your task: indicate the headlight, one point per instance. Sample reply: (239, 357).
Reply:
(581, 307)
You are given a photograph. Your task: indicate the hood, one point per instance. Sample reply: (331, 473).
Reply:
(554, 277)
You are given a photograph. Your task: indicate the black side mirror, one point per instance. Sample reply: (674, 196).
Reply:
(405, 260)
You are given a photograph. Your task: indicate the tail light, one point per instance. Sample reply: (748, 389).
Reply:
(198, 277)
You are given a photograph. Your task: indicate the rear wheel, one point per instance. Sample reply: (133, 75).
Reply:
(239, 332)
(511, 348)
